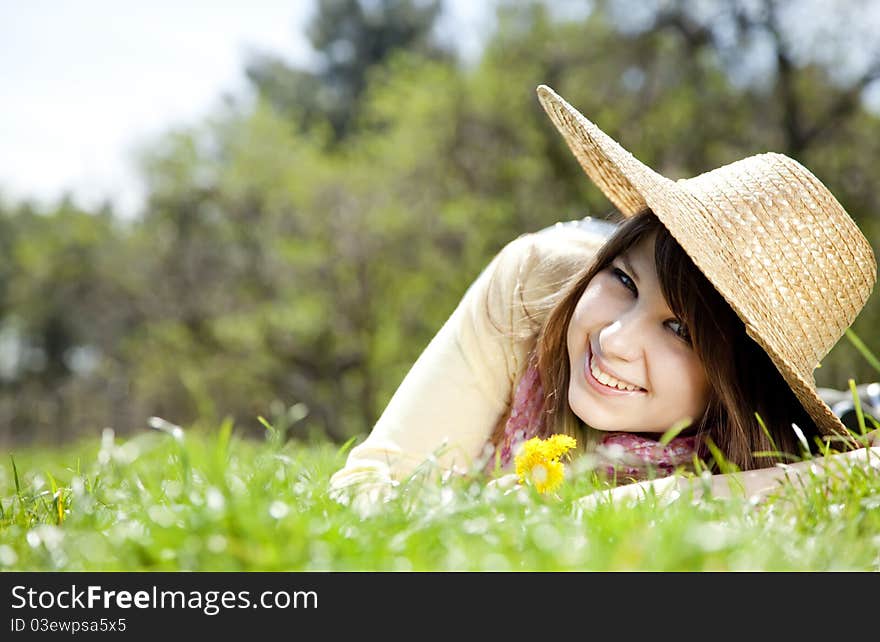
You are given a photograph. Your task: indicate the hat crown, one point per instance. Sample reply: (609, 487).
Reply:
(792, 255)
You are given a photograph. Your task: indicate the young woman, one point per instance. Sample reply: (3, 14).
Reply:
(709, 306)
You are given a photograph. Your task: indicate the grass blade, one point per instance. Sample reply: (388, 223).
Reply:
(801, 437)
(857, 402)
(343, 449)
(724, 466)
(15, 476)
(674, 430)
(766, 432)
(863, 349)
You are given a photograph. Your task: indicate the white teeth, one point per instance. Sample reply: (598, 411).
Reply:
(608, 380)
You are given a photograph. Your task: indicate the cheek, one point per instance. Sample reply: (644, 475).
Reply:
(697, 384)
(583, 319)
(593, 304)
(679, 379)
(576, 321)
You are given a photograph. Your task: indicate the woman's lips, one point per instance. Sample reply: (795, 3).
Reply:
(600, 387)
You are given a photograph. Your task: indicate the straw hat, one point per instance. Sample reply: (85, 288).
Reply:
(771, 238)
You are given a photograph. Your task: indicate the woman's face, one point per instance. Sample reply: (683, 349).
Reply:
(632, 368)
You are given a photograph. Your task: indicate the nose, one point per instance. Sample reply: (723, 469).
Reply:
(624, 337)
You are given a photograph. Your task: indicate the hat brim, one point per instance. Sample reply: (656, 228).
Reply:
(828, 423)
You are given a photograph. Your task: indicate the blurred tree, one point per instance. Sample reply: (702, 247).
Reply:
(65, 308)
(351, 37)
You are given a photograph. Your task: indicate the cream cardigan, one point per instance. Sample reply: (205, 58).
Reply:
(450, 401)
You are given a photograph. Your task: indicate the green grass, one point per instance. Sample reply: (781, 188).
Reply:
(173, 500)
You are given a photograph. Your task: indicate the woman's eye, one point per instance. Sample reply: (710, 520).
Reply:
(623, 277)
(680, 329)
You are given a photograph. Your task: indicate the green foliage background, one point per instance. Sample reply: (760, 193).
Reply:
(298, 251)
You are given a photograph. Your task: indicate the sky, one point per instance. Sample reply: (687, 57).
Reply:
(84, 83)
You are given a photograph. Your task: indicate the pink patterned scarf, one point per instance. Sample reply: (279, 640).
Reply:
(622, 454)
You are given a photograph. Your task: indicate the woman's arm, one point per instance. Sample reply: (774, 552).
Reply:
(451, 399)
(750, 484)
(453, 396)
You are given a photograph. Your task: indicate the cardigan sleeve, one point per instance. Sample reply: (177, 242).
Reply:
(444, 411)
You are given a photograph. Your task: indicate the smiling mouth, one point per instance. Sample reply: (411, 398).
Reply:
(608, 382)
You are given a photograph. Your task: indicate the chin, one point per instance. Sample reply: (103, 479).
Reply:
(593, 419)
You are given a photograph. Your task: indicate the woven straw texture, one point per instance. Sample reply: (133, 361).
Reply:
(772, 239)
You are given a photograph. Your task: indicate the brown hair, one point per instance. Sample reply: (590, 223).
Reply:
(742, 378)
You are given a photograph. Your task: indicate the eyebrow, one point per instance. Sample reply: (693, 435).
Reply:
(629, 266)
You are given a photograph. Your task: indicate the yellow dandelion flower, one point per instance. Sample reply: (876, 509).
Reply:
(538, 462)
(558, 445)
